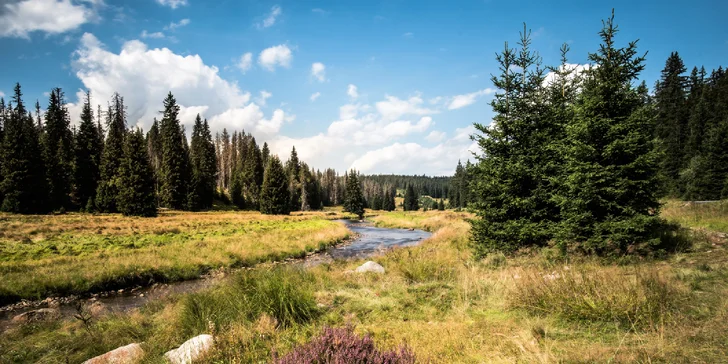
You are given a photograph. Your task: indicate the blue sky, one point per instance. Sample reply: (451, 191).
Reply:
(382, 86)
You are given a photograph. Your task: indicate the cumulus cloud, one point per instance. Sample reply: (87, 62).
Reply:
(352, 91)
(576, 68)
(264, 95)
(246, 61)
(179, 24)
(275, 12)
(318, 71)
(20, 18)
(2, 94)
(435, 136)
(174, 4)
(279, 55)
(393, 108)
(413, 158)
(144, 76)
(315, 96)
(461, 101)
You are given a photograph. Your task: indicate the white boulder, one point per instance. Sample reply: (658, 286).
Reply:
(128, 354)
(370, 266)
(191, 350)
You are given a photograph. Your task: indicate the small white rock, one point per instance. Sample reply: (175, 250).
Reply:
(370, 267)
(191, 350)
(128, 354)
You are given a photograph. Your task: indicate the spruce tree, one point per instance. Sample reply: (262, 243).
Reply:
(265, 153)
(293, 169)
(203, 164)
(253, 175)
(58, 151)
(24, 186)
(441, 205)
(274, 198)
(88, 150)
(109, 184)
(175, 163)
(411, 200)
(611, 193)
(511, 183)
(672, 120)
(136, 190)
(354, 200)
(154, 150)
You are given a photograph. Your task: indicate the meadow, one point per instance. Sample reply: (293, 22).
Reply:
(535, 307)
(47, 255)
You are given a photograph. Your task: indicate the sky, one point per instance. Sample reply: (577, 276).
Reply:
(384, 86)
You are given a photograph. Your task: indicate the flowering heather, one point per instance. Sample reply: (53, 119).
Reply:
(343, 346)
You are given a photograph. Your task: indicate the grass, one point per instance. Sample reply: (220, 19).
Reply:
(439, 302)
(711, 216)
(79, 253)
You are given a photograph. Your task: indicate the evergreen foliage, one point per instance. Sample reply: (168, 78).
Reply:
(136, 190)
(354, 200)
(411, 200)
(58, 151)
(175, 163)
(203, 164)
(108, 187)
(24, 186)
(274, 197)
(87, 157)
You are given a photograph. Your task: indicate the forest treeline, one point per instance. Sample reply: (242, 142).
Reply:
(101, 164)
(582, 158)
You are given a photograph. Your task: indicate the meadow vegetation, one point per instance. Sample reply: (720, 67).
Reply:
(67, 254)
(437, 302)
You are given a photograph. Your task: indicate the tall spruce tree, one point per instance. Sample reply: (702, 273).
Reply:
(354, 200)
(173, 170)
(611, 193)
(154, 150)
(411, 200)
(511, 182)
(58, 151)
(253, 174)
(136, 190)
(24, 186)
(203, 163)
(265, 154)
(293, 169)
(109, 184)
(672, 127)
(274, 198)
(88, 148)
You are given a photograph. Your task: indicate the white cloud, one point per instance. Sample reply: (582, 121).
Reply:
(576, 68)
(20, 18)
(461, 101)
(246, 61)
(435, 136)
(144, 77)
(2, 94)
(352, 91)
(174, 4)
(155, 35)
(315, 96)
(180, 24)
(278, 55)
(319, 11)
(408, 35)
(413, 158)
(264, 95)
(275, 11)
(393, 108)
(318, 71)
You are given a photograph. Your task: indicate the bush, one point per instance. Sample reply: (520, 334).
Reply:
(644, 300)
(342, 345)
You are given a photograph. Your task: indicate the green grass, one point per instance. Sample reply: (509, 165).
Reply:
(712, 216)
(445, 305)
(78, 253)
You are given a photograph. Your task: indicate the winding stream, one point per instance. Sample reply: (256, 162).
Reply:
(370, 241)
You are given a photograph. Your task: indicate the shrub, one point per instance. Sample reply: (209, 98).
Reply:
(645, 300)
(342, 345)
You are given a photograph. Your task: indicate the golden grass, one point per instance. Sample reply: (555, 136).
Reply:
(450, 308)
(78, 253)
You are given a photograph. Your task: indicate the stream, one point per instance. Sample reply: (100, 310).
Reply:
(370, 241)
